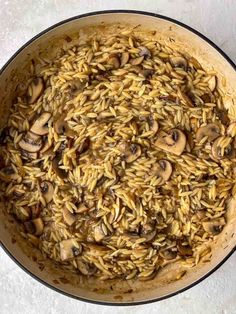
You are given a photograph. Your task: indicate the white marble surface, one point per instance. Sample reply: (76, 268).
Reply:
(20, 20)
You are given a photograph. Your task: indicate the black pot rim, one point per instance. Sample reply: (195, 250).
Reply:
(223, 54)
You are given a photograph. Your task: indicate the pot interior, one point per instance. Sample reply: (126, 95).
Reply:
(174, 277)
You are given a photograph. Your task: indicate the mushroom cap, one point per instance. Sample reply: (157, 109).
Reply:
(114, 61)
(153, 125)
(168, 254)
(163, 169)
(35, 89)
(31, 143)
(211, 130)
(85, 268)
(185, 98)
(214, 226)
(34, 226)
(68, 217)
(131, 151)
(219, 153)
(8, 174)
(40, 125)
(174, 141)
(144, 51)
(69, 248)
(47, 191)
(98, 233)
(179, 62)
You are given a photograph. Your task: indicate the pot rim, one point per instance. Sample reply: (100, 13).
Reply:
(223, 54)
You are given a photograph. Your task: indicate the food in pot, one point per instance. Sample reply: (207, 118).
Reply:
(117, 158)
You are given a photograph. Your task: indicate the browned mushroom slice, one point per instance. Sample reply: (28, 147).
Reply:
(179, 62)
(153, 125)
(146, 72)
(8, 174)
(214, 226)
(212, 83)
(174, 141)
(85, 268)
(28, 156)
(34, 226)
(185, 98)
(189, 141)
(211, 130)
(69, 248)
(168, 254)
(124, 58)
(144, 52)
(35, 211)
(35, 89)
(184, 250)
(47, 191)
(40, 126)
(31, 142)
(132, 152)
(61, 173)
(114, 61)
(219, 152)
(163, 169)
(98, 233)
(222, 114)
(84, 146)
(137, 61)
(68, 217)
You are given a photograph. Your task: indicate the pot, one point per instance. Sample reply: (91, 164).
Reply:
(173, 278)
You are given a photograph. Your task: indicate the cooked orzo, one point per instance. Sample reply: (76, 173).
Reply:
(118, 157)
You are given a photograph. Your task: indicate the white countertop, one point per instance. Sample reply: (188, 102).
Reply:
(20, 20)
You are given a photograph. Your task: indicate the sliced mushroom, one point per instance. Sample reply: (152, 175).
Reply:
(223, 116)
(47, 191)
(69, 248)
(35, 211)
(8, 174)
(214, 226)
(85, 268)
(211, 130)
(144, 52)
(168, 254)
(212, 83)
(40, 126)
(146, 72)
(185, 98)
(28, 156)
(179, 62)
(124, 58)
(61, 173)
(98, 233)
(34, 226)
(153, 125)
(68, 217)
(35, 90)
(113, 60)
(184, 250)
(137, 61)
(174, 141)
(61, 126)
(219, 153)
(132, 152)
(163, 169)
(189, 141)
(84, 146)
(31, 142)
